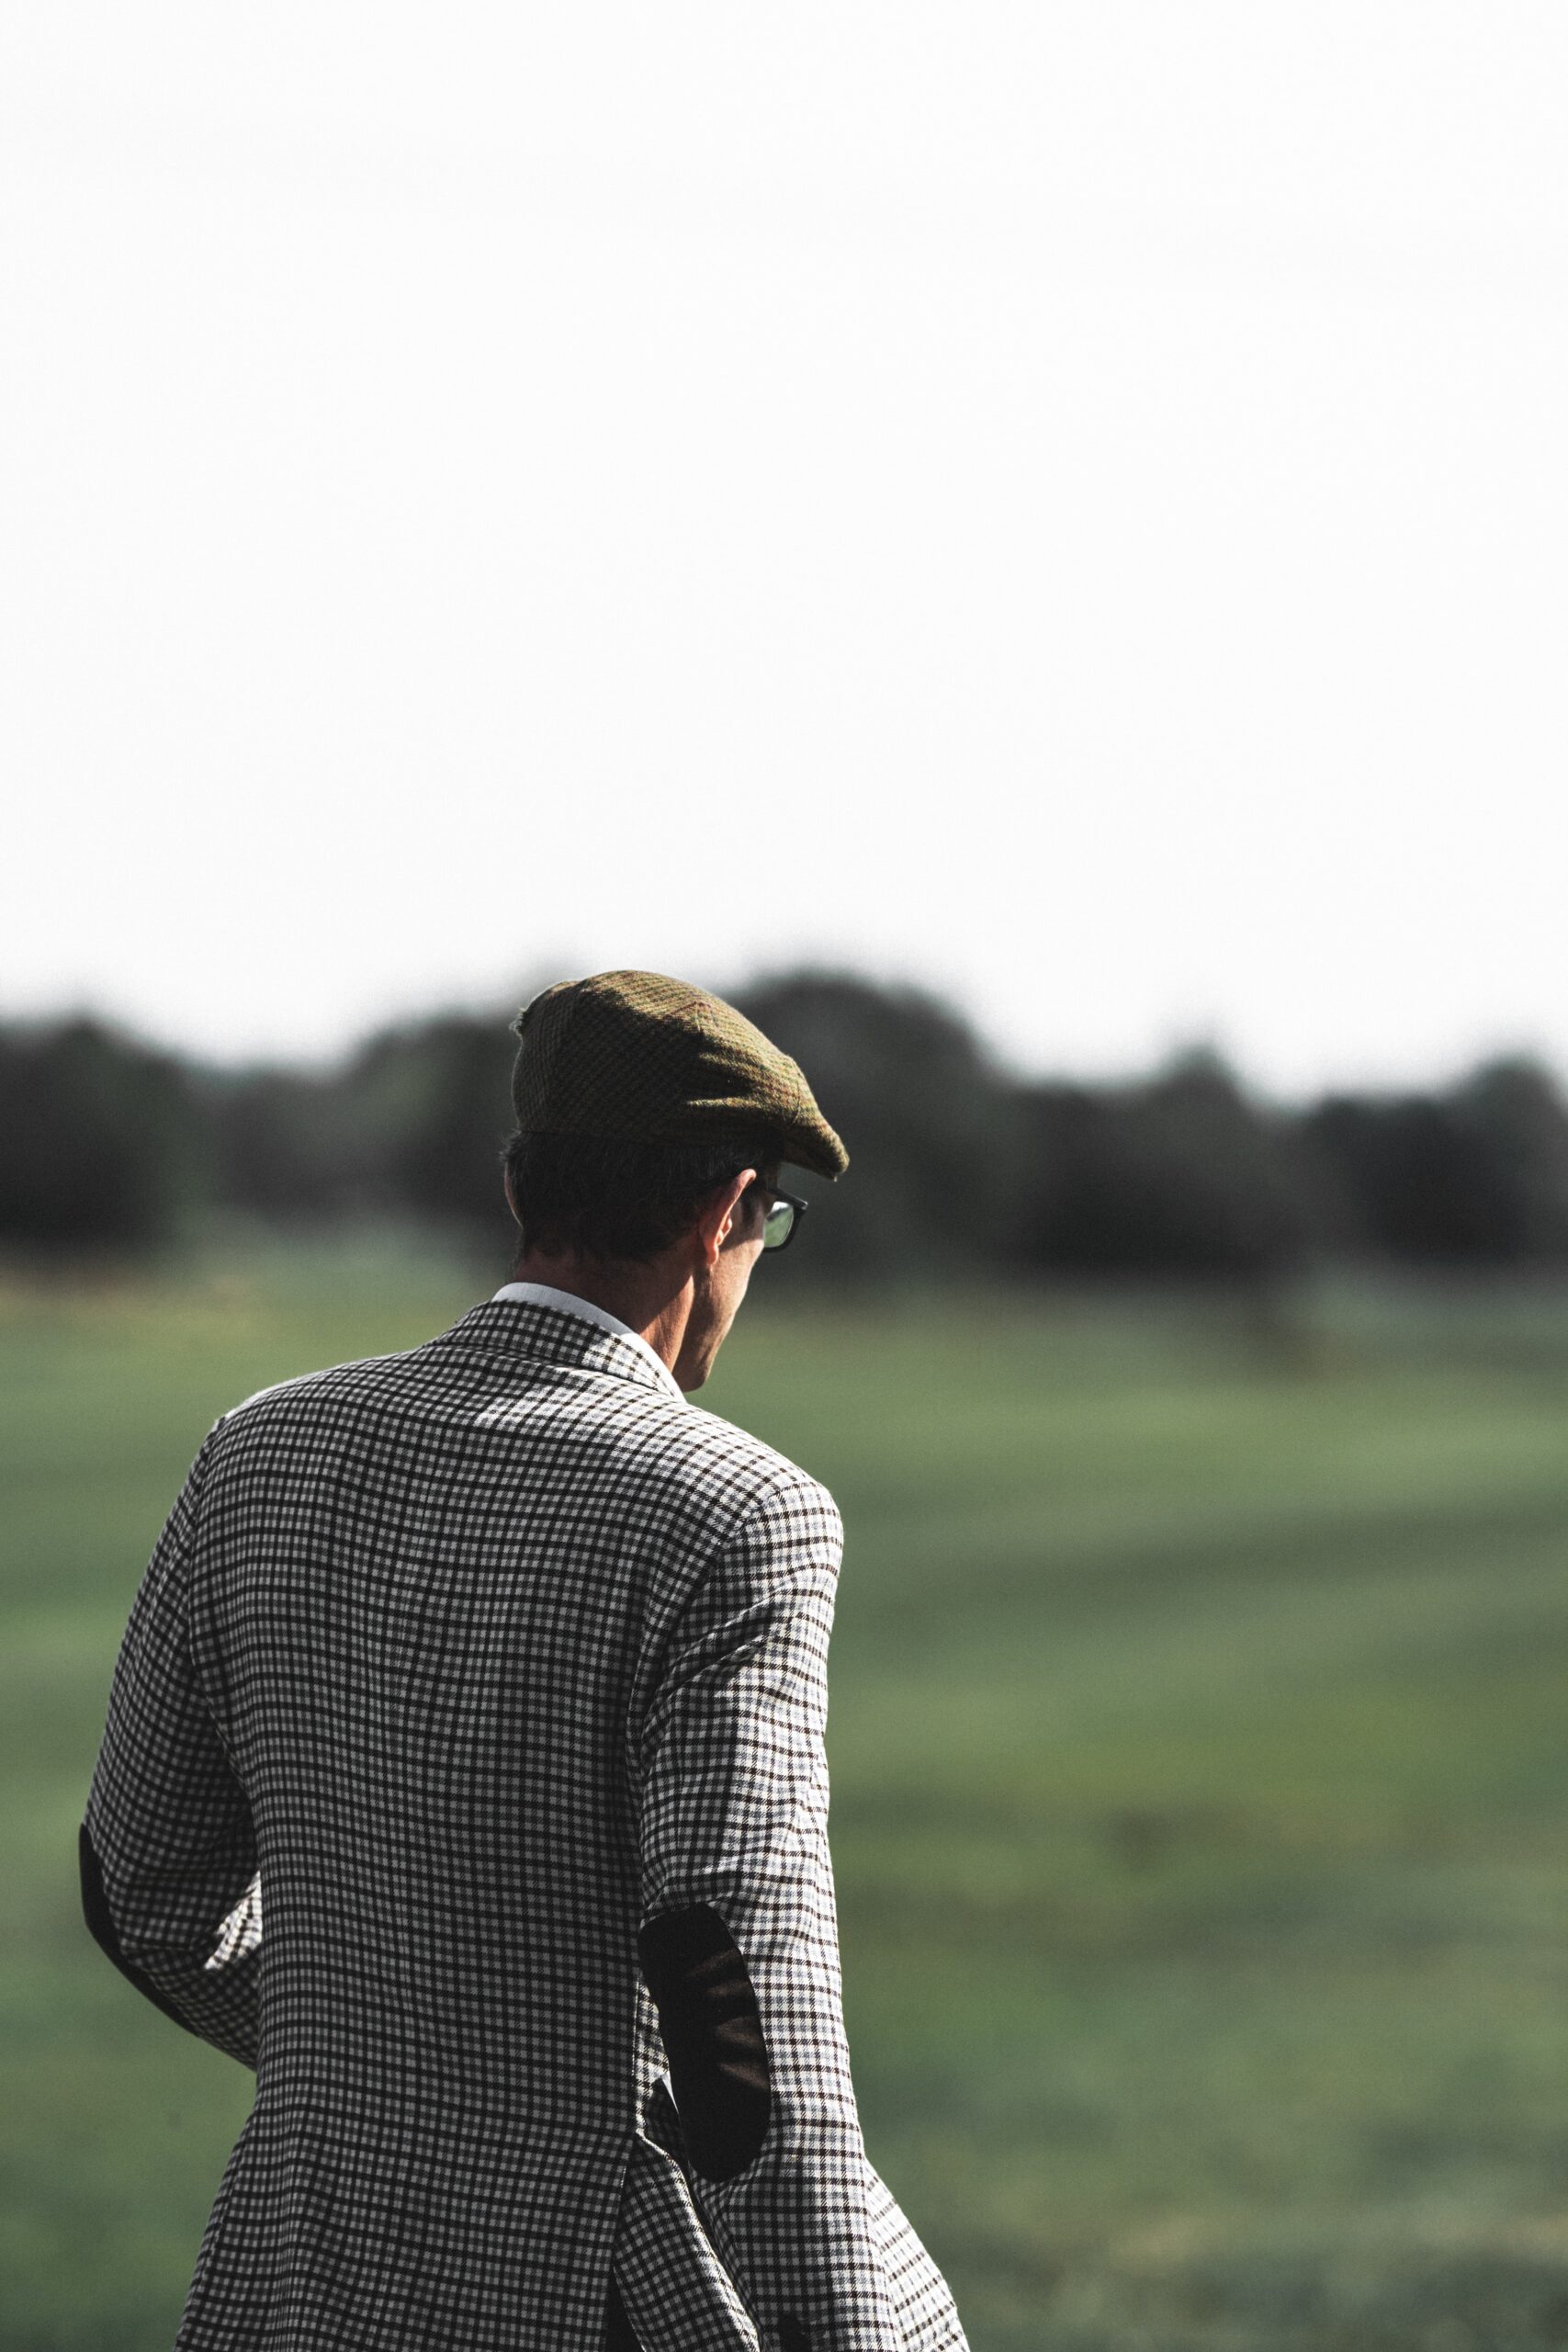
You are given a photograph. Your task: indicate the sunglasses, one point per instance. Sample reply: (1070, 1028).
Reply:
(781, 1216)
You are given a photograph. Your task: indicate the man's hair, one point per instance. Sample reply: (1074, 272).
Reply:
(603, 1197)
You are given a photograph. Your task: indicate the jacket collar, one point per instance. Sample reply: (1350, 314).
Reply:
(523, 1319)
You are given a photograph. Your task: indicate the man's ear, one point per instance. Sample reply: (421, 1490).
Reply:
(717, 1222)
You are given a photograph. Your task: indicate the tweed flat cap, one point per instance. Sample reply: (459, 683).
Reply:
(641, 1058)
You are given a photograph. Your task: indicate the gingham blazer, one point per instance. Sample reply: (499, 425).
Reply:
(464, 1775)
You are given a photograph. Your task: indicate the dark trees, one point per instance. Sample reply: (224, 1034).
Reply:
(1476, 1177)
(958, 1169)
(1182, 1175)
(101, 1139)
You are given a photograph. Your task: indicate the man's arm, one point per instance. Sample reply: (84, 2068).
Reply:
(168, 1860)
(738, 1944)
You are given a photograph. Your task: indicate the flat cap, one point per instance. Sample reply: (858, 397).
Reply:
(640, 1057)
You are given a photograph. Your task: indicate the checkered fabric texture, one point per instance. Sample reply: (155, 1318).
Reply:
(639, 1057)
(473, 1661)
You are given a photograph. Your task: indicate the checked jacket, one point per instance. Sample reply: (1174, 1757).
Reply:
(464, 1776)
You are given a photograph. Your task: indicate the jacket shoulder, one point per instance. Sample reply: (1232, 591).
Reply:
(330, 1382)
(696, 1460)
(763, 1484)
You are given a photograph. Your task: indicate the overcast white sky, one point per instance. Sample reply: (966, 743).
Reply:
(1065, 503)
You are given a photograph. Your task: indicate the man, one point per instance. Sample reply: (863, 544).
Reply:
(464, 1775)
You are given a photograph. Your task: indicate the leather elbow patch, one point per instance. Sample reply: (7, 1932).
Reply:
(712, 2030)
(105, 1935)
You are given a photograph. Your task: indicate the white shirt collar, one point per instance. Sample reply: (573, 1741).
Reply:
(566, 1301)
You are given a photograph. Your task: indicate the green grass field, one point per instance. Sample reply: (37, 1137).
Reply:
(1200, 1748)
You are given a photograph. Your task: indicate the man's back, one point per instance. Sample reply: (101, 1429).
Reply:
(471, 1665)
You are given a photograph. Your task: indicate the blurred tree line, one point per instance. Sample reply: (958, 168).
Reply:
(959, 1167)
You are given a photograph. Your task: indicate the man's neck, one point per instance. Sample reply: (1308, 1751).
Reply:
(653, 1300)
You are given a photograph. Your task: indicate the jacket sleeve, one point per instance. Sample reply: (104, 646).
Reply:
(739, 1943)
(168, 1848)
